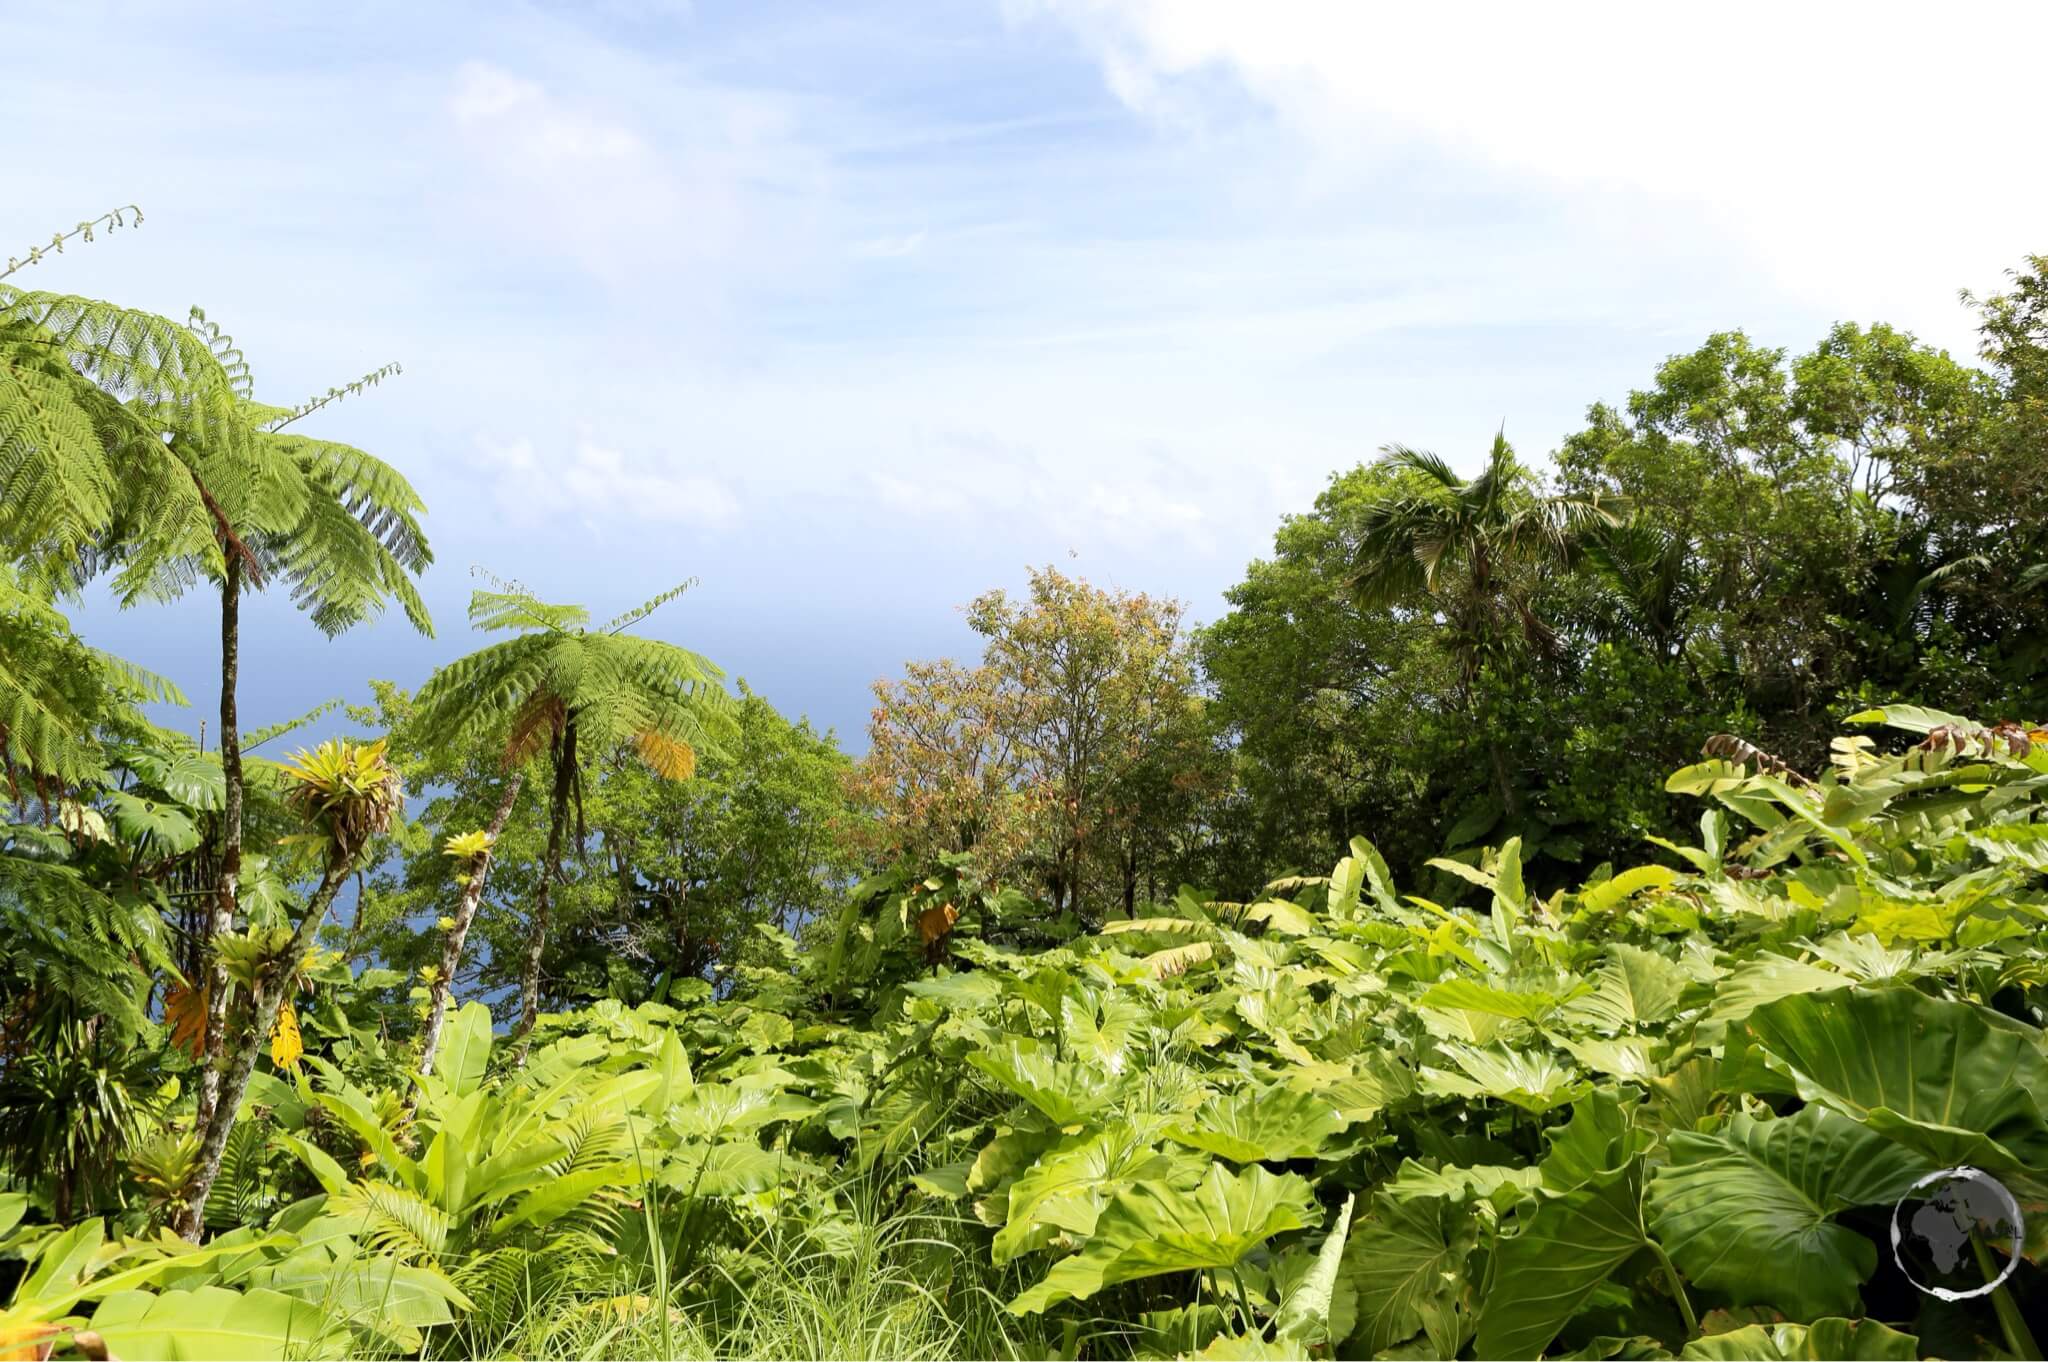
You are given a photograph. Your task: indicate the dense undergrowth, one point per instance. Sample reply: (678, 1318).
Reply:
(1666, 1112)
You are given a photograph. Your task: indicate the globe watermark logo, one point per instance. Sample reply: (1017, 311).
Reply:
(1956, 1234)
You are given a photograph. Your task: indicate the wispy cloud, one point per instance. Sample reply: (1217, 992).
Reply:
(597, 484)
(1861, 158)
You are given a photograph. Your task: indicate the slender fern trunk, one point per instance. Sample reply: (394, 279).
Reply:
(465, 913)
(228, 890)
(551, 870)
(273, 979)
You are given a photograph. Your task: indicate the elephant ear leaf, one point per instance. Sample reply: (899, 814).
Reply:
(1634, 988)
(1546, 1272)
(1958, 1084)
(1306, 1316)
(1152, 1229)
(1253, 1124)
(1066, 1092)
(1404, 1273)
(1850, 1340)
(1746, 1210)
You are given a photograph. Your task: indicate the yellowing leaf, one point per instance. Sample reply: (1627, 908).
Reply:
(286, 1045)
(934, 923)
(667, 757)
(185, 1014)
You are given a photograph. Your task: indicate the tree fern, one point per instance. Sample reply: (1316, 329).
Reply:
(582, 693)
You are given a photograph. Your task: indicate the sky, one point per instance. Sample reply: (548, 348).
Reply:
(853, 310)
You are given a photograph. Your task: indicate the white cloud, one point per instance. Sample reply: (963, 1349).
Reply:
(602, 483)
(1865, 156)
(710, 188)
(890, 247)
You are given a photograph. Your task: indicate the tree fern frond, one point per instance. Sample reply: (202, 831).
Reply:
(234, 365)
(280, 417)
(115, 218)
(643, 610)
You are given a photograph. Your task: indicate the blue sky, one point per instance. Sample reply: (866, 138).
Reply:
(851, 310)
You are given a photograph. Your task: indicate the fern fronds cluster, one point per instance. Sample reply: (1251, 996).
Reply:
(664, 702)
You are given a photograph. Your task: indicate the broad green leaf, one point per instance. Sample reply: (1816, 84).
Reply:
(1252, 1124)
(1068, 1187)
(1763, 980)
(64, 1261)
(1959, 1084)
(214, 1322)
(1490, 1182)
(1545, 1271)
(1747, 1210)
(1611, 894)
(1634, 988)
(331, 1176)
(558, 1196)
(1599, 1145)
(1405, 1266)
(1625, 1058)
(1471, 995)
(375, 1295)
(1911, 718)
(1346, 883)
(13, 1206)
(1304, 1317)
(1065, 1091)
(1251, 1348)
(1825, 1340)
(946, 1181)
(446, 1168)
(163, 827)
(1529, 1079)
(465, 1050)
(732, 1169)
(1150, 1229)
(1101, 1027)
(1510, 898)
(1280, 916)
(963, 992)
(725, 1111)
(1360, 1088)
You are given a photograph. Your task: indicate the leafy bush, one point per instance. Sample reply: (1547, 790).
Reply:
(1664, 1113)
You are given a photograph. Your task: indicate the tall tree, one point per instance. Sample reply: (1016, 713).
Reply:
(340, 526)
(580, 694)
(1472, 552)
(1470, 549)
(1047, 758)
(128, 441)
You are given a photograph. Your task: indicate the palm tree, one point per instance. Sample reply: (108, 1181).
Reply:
(582, 693)
(1470, 550)
(347, 794)
(1464, 547)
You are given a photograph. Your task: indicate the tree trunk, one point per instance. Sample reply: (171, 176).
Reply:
(272, 981)
(551, 869)
(465, 913)
(228, 890)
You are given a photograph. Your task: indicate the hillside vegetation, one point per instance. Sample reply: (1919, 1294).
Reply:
(1619, 927)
